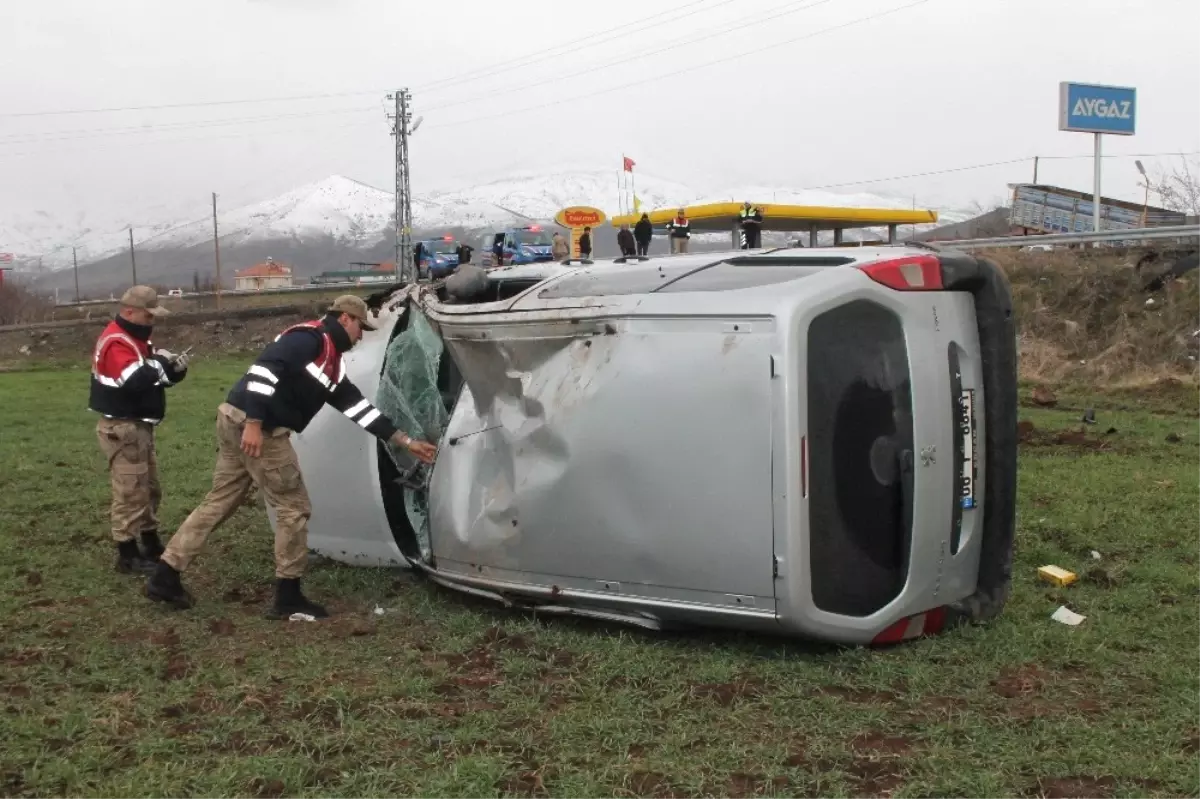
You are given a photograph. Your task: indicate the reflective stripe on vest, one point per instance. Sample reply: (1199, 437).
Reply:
(128, 371)
(328, 368)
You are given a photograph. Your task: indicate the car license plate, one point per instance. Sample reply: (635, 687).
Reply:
(966, 430)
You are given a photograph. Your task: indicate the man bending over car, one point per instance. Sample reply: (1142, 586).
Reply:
(279, 394)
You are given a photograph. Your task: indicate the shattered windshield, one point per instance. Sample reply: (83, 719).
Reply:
(409, 395)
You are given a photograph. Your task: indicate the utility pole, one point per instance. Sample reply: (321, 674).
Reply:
(75, 266)
(132, 258)
(1035, 166)
(403, 210)
(217, 250)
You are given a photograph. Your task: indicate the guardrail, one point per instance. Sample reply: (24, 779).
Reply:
(306, 288)
(1135, 236)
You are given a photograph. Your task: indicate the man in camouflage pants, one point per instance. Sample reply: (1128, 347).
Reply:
(280, 394)
(128, 383)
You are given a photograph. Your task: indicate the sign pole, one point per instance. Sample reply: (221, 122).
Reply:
(1096, 199)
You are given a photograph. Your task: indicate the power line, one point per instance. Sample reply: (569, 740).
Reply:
(658, 78)
(202, 104)
(981, 166)
(914, 175)
(144, 142)
(790, 9)
(553, 52)
(489, 71)
(83, 133)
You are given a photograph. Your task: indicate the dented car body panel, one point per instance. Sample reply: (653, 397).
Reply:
(636, 442)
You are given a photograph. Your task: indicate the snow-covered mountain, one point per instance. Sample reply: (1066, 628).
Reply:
(360, 215)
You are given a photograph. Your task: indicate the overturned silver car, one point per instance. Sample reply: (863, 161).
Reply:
(813, 442)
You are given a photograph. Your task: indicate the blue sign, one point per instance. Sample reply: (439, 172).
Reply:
(1085, 108)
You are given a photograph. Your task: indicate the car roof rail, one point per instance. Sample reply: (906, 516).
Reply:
(624, 259)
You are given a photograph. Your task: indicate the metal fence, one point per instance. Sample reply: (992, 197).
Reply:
(306, 288)
(1181, 233)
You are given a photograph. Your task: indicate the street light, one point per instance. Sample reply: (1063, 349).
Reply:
(1146, 185)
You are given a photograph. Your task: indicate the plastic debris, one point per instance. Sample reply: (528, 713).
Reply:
(1095, 555)
(379, 611)
(1150, 301)
(1065, 615)
(1057, 575)
(1089, 416)
(301, 617)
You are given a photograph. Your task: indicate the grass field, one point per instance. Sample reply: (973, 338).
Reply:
(105, 694)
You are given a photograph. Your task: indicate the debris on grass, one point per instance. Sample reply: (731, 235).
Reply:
(1029, 435)
(1044, 397)
(221, 627)
(1057, 575)
(1065, 615)
(302, 617)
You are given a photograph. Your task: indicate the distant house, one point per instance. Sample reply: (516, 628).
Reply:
(267, 275)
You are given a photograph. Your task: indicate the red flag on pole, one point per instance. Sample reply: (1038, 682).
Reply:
(628, 163)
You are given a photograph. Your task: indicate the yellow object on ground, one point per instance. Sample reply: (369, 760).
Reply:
(1057, 575)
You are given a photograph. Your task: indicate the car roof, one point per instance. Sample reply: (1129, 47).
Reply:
(703, 271)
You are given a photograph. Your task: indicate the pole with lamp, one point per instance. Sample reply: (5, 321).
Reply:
(1146, 186)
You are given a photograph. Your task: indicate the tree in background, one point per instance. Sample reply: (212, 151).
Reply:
(1179, 188)
(19, 305)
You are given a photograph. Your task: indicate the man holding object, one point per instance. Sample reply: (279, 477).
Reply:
(279, 394)
(128, 390)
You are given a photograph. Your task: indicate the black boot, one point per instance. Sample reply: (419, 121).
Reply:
(289, 600)
(130, 560)
(152, 548)
(164, 586)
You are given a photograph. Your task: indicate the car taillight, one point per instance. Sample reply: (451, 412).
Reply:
(910, 273)
(928, 623)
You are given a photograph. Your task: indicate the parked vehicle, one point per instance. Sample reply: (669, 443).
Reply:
(520, 245)
(438, 257)
(813, 442)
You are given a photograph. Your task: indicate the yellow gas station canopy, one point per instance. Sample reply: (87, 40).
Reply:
(721, 217)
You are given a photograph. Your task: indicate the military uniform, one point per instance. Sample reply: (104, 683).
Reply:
(293, 378)
(128, 389)
(680, 233)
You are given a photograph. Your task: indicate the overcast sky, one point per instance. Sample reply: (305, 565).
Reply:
(933, 85)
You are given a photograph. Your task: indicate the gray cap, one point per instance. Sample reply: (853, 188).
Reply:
(356, 307)
(145, 298)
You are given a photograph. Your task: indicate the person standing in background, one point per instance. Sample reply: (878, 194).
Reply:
(751, 218)
(625, 242)
(643, 232)
(464, 252)
(585, 244)
(560, 248)
(681, 231)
